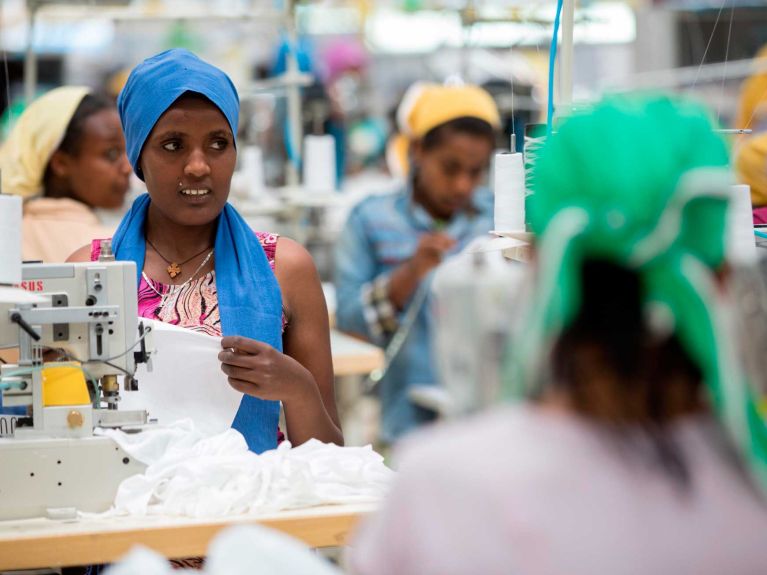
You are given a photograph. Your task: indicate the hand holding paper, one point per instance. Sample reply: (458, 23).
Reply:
(258, 369)
(186, 381)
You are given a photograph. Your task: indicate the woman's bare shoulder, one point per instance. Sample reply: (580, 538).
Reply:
(292, 256)
(82, 254)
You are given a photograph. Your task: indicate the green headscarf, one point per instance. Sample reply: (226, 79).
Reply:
(641, 181)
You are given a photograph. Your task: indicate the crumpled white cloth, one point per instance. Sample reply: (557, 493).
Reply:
(241, 550)
(190, 474)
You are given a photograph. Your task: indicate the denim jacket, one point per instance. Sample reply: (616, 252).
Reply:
(381, 233)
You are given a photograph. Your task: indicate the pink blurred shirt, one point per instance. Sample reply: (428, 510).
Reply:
(532, 491)
(760, 215)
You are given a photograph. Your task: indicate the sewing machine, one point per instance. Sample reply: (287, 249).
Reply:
(476, 301)
(53, 464)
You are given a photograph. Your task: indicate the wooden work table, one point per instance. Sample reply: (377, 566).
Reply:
(352, 356)
(41, 543)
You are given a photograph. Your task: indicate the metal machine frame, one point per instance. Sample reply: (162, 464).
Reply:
(53, 464)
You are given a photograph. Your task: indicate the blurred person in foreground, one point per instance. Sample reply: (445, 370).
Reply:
(636, 445)
(66, 157)
(392, 242)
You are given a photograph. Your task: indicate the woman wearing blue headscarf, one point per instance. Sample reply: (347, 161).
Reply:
(200, 265)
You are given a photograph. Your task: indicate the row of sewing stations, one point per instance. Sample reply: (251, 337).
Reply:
(56, 468)
(126, 439)
(50, 477)
(60, 479)
(62, 473)
(76, 443)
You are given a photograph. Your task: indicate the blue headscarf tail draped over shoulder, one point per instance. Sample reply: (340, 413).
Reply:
(249, 297)
(159, 81)
(249, 301)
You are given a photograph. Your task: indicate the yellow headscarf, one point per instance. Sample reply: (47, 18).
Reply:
(751, 167)
(426, 106)
(35, 137)
(753, 96)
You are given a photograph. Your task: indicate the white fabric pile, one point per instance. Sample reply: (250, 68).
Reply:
(190, 474)
(242, 550)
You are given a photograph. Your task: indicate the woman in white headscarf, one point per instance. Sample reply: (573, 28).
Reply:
(65, 156)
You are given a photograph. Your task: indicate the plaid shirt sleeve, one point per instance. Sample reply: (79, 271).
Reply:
(378, 310)
(362, 287)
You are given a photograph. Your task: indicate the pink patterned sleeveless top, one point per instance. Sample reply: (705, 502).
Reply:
(194, 305)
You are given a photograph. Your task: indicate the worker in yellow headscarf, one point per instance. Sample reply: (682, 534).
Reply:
(751, 167)
(751, 152)
(391, 243)
(425, 106)
(752, 112)
(65, 156)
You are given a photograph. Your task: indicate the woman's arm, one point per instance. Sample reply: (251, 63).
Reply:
(356, 271)
(83, 254)
(307, 340)
(302, 376)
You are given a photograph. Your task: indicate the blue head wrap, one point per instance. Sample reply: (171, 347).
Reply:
(159, 81)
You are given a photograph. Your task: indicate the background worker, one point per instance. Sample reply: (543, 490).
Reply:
(392, 242)
(635, 445)
(66, 157)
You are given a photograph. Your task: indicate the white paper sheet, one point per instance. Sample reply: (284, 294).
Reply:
(186, 381)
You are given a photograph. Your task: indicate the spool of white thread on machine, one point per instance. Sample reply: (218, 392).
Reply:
(10, 253)
(741, 244)
(509, 189)
(319, 164)
(10, 246)
(252, 169)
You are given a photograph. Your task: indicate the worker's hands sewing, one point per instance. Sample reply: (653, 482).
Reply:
(431, 249)
(257, 369)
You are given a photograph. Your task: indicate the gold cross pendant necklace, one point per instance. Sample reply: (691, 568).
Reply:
(174, 269)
